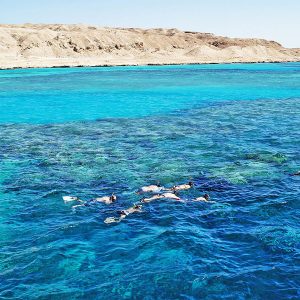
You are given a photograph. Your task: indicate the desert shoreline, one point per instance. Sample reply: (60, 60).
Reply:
(144, 65)
(59, 45)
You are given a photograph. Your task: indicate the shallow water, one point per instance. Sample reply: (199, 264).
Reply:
(233, 129)
(63, 95)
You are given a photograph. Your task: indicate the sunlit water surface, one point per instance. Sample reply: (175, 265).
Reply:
(233, 129)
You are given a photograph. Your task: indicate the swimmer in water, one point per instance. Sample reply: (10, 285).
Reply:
(181, 187)
(161, 196)
(150, 189)
(170, 196)
(106, 199)
(155, 197)
(204, 198)
(131, 210)
(123, 214)
(296, 174)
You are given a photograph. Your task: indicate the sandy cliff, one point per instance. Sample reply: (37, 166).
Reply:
(29, 45)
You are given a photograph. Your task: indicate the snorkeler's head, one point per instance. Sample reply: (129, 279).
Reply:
(206, 197)
(113, 197)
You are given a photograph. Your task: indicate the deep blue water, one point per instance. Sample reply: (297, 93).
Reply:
(233, 129)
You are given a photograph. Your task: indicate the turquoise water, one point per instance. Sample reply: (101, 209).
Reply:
(233, 129)
(62, 95)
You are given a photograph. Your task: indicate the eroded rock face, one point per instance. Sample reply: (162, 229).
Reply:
(42, 45)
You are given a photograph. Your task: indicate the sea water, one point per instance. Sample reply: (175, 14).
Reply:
(234, 130)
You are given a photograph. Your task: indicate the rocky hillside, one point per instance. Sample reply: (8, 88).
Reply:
(31, 45)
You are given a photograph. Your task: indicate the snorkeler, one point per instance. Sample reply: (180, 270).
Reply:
(160, 196)
(131, 210)
(182, 186)
(150, 189)
(170, 196)
(106, 199)
(123, 214)
(155, 197)
(204, 198)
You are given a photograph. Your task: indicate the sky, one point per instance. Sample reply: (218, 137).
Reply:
(277, 20)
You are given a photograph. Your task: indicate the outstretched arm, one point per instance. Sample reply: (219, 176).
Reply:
(79, 205)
